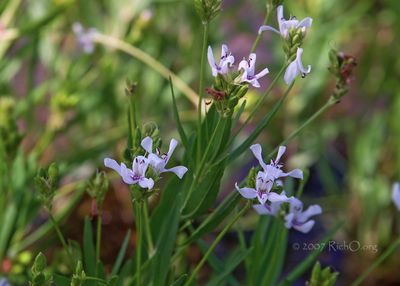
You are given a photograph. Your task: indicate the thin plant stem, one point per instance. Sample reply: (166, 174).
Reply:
(138, 217)
(147, 228)
(98, 236)
(201, 87)
(214, 244)
(95, 279)
(61, 238)
(259, 102)
(258, 38)
(377, 262)
(202, 164)
(327, 105)
(148, 60)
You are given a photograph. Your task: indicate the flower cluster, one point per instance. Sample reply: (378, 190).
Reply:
(269, 201)
(84, 37)
(138, 174)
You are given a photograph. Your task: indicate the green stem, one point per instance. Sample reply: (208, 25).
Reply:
(98, 236)
(214, 244)
(327, 105)
(61, 238)
(147, 228)
(259, 102)
(257, 41)
(377, 262)
(201, 87)
(202, 163)
(138, 216)
(101, 281)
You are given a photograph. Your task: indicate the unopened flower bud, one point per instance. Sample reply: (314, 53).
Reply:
(79, 277)
(39, 276)
(97, 188)
(207, 9)
(46, 183)
(321, 276)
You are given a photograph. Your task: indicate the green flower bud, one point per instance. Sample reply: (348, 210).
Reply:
(46, 182)
(97, 188)
(39, 276)
(207, 9)
(322, 277)
(79, 277)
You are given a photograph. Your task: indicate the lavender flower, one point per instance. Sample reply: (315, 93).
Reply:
(136, 175)
(273, 170)
(159, 161)
(299, 219)
(286, 25)
(84, 37)
(262, 191)
(396, 195)
(248, 67)
(225, 62)
(4, 282)
(295, 68)
(272, 208)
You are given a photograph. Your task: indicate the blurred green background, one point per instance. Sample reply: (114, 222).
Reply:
(70, 107)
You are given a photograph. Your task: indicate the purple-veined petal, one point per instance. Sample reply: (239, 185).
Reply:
(127, 175)
(147, 144)
(252, 64)
(146, 183)
(178, 170)
(256, 149)
(396, 195)
(291, 72)
(243, 65)
(247, 193)
(262, 197)
(305, 227)
(267, 28)
(267, 210)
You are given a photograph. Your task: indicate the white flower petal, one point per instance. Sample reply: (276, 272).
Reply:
(256, 149)
(262, 73)
(211, 61)
(247, 193)
(305, 227)
(300, 64)
(147, 144)
(281, 151)
(296, 173)
(291, 72)
(178, 170)
(146, 183)
(267, 28)
(172, 145)
(110, 163)
(305, 23)
(311, 211)
(127, 174)
(274, 197)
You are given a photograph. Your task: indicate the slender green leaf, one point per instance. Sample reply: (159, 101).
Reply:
(89, 256)
(179, 126)
(121, 254)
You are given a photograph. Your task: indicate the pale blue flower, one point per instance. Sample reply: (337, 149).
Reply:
(4, 282)
(158, 161)
(84, 37)
(136, 175)
(286, 25)
(271, 208)
(249, 75)
(299, 219)
(273, 170)
(396, 195)
(296, 68)
(226, 61)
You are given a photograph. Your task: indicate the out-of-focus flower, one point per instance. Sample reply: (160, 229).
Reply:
(136, 175)
(84, 37)
(299, 219)
(248, 67)
(286, 25)
(225, 62)
(4, 282)
(273, 170)
(295, 68)
(158, 161)
(271, 208)
(396, 195)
